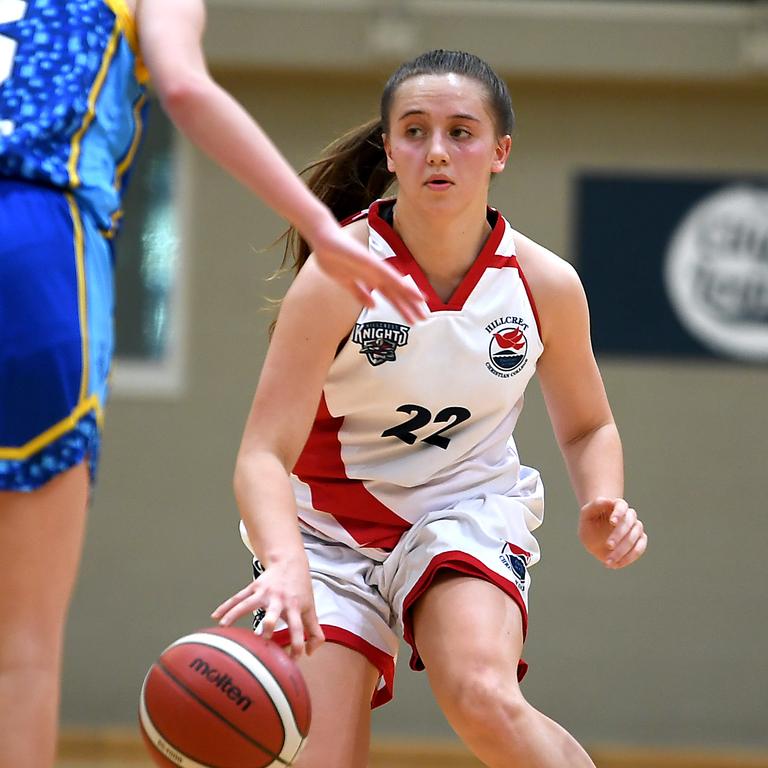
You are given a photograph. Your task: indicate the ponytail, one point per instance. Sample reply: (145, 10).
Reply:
(350, 174)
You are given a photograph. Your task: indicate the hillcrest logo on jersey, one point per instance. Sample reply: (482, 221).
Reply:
(508, 348)
(516, 559)
(378, 340)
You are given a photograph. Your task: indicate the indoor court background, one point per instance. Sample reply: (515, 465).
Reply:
(661, 665)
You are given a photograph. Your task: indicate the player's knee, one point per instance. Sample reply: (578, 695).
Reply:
(487, 699)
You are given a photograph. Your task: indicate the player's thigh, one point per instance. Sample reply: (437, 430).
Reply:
(469, 634)
(41, 536)
(341, 682)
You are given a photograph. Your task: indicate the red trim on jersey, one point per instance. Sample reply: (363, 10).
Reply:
(352, 505)
(463, 563)
(530, 297)
(406, 264)
(353, 217)
(378, 658)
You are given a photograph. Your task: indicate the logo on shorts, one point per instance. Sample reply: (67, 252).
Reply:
(378, 340)
(508, 347)
(516, 559)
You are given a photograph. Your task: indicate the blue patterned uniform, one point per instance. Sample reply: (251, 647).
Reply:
(72, 95)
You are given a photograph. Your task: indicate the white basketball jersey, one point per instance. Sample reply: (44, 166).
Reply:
(413, 419)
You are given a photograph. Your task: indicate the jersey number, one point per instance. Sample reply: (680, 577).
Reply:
(10, 10)
(454, 415)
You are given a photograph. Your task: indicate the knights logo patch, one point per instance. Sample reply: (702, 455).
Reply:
(379, 340)
(516, 559)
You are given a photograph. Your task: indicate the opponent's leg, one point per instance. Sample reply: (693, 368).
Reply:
(341, 682)
(41, 535)
(472, 672)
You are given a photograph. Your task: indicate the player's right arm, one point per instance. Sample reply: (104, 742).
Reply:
(170, 37)
(316, 315)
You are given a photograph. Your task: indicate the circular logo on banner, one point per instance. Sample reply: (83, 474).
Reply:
(716, 272)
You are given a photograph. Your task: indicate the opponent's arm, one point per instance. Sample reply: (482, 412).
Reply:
(170, 37)
(580, 414)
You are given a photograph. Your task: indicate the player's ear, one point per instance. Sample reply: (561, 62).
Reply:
(501, 153)
(388, 152)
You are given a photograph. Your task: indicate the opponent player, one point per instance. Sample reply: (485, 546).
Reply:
(392, 441)
(72, 94)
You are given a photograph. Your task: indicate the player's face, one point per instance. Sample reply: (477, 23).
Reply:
(442, 142)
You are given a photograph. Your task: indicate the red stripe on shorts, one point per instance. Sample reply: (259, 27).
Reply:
(465, 564)
(381, 660)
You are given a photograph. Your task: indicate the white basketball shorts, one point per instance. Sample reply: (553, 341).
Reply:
(364, 604)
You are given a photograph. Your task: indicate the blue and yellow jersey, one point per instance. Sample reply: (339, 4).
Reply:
(72, 98)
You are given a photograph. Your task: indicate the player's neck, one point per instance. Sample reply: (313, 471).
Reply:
(444, 246)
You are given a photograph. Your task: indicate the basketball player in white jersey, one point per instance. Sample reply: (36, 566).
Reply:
(392, 444)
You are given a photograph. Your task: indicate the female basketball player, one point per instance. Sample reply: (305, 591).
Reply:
(72, 88)
(393, 441)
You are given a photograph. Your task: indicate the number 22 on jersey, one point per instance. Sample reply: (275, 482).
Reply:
(10, 10)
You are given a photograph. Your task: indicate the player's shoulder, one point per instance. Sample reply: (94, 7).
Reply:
(312, 288)
(543, 268)
(554, 283)
(357, 226)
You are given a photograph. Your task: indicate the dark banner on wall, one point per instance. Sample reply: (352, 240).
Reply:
(675, 266)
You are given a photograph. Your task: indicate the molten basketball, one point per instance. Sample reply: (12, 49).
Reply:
(224, 698)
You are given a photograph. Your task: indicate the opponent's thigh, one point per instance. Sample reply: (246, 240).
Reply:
(341, 683)
(41, 536)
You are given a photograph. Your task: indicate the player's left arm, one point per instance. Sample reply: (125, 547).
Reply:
(580, 414)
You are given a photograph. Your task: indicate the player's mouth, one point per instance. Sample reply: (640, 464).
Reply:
(438, 183)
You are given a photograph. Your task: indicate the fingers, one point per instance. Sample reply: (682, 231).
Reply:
(232, 609)
(619, 512)
(315, 636)
(361, 274)
(636, 551)
(360, 292)
(622, 518)
(628, 541)
(304, 631)
(403, 295)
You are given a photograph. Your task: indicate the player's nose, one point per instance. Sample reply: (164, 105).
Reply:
(437, 152)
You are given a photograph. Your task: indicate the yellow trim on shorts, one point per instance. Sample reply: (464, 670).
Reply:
(54, 432)
(82, 298)
(74, 156)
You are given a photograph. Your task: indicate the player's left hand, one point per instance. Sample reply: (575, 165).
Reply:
(610, 530)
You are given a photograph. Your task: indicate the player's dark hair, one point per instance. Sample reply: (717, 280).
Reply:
(352, 171)
(440, 62)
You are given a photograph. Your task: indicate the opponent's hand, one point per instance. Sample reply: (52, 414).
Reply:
(283, 591)
(610, 530)
(351, 265)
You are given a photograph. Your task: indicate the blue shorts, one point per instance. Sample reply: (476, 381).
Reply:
(56, 334)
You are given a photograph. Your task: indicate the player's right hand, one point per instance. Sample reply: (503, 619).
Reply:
(282, 591)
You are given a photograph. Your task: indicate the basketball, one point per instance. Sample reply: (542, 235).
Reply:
(224, 698)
